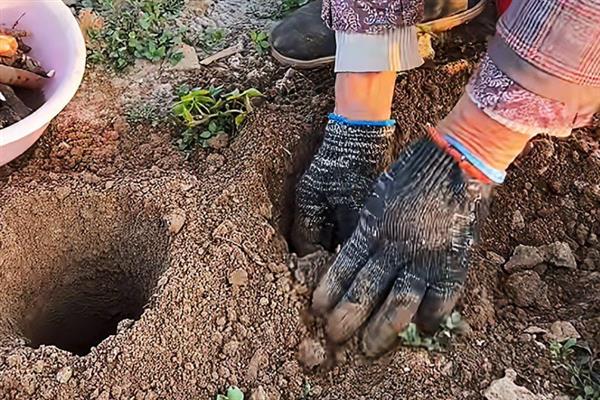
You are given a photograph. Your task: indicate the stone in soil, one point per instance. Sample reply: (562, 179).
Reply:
(526, 289)
(506, 389)
(560, 254)
(524, 257)
(561, 331)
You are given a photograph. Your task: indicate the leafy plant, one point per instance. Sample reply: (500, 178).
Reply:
(288, 6)
(233, 393)
(211, 38)
(581, 364)
(260, 40)
(135, 29)
(207, 113)
(453, 326)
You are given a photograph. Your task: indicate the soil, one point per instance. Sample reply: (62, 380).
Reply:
(130, 270)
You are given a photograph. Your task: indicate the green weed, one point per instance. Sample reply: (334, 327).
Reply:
(136, 29)
(581, 364)
(206, 113)
(260, 40)
(233, 393)
(453, 326)
(288, 6)
(211, 38)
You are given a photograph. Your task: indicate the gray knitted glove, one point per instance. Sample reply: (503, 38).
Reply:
(408, 256)
(333, 189)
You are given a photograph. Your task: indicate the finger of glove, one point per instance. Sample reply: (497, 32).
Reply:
(369, 288)
(311, 214)
(437, 304)
(338, 278)
(394, 315)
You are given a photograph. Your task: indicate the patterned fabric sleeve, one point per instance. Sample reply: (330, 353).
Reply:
(371, 16)
(507, 102)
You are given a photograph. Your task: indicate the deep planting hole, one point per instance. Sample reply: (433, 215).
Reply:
(74, 268)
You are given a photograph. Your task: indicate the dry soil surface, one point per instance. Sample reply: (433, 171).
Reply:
(129, 270)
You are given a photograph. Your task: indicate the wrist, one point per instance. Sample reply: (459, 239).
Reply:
(484, 143)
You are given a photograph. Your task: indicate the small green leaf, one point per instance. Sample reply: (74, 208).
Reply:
(222, 397)
(234, 393)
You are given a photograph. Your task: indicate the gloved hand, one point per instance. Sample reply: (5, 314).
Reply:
(409, 254)
(332, 191)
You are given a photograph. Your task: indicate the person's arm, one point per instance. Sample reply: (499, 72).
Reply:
(407, 259)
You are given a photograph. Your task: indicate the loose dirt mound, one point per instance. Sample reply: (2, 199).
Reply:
(183, 269)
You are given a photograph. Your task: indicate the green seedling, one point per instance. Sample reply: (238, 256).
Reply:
(453, 326)
(233, 393)
(582, 365)
(260, 40)
(211, 38)
(288, 6)
(136, 29)
(206, 113)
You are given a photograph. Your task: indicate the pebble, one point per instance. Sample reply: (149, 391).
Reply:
(527, 289)
(176, 220)
(523, 258)
(560, 255)
(495, 258)
(311, 353)
(259, 394)
(506, 389)
(518, 222)
(561, 331)
(64, 375)
(239, 277)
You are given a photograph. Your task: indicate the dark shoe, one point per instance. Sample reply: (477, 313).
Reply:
(302, 40)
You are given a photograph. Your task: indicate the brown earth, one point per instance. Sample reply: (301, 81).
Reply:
(108, 232)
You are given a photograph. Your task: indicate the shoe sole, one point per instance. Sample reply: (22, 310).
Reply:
(434, 26)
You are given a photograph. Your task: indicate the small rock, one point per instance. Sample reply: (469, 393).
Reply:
(518, 222)
(63, 192)
(559, 254)
(189, 61)
(64, 375)
(535, 330)
(524, 257)
(527, 289)
(311, 353)
(524, 338)
(176, 220)
(263, 301)
(495, 258)
(109, 185)
(561, 331)
(506, 389)
(239, 277)
(220, 141)
(259, 394)
(14, 360)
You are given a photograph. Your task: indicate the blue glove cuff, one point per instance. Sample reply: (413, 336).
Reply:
(344, 120)
(495, 175)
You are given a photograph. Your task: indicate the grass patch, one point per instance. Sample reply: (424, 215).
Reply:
(581, 364)
(135, 29)
(453, 326)
(207, 113)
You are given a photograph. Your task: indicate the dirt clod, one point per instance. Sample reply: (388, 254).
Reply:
(64, 374)
(239, 277)
(562, 330)
(524, 257)
(527, 289)
(311, 353)
(559, 254)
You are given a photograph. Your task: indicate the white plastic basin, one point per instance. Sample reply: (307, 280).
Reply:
(58, 44)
